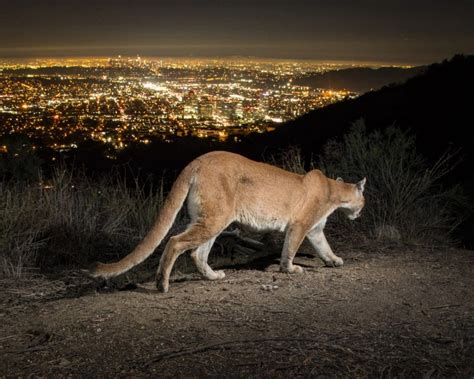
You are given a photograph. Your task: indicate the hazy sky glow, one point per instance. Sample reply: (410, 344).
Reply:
(394, 31)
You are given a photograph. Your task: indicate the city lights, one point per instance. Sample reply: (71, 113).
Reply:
(120, 101)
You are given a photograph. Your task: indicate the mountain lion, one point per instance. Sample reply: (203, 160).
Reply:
(222, 188)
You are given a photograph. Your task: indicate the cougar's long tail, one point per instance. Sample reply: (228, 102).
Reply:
(145, 248)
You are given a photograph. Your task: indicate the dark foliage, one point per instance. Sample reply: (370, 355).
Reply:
(360, 79)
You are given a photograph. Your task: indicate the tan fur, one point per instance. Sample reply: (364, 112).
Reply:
(222, 188)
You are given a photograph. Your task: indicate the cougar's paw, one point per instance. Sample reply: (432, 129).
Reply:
(214, 275)
(334, 262)
(293, 269)
(297, 269)
(162, 287)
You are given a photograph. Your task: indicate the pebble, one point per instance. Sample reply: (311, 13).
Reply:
(64, 362)
(268, 287)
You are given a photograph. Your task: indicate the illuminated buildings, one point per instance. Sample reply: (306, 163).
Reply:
(127, 100)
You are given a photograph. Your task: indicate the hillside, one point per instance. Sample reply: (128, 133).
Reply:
(359, 79)
(437, 106)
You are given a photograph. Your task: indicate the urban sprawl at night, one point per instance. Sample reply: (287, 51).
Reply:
(123, 100)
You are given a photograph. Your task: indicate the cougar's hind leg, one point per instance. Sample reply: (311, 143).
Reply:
(200, 256)
(208, 221)
(193, 237)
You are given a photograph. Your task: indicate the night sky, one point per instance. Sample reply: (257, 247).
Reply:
(358, 30)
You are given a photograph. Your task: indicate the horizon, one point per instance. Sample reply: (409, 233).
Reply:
(415, 32)
(336, 62)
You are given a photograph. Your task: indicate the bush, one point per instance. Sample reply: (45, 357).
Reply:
(72, 220)
(291, 159)
(404, 196)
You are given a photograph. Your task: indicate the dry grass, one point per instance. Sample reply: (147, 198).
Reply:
(71, 220)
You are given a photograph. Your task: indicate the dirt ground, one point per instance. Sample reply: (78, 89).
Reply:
(388, 312)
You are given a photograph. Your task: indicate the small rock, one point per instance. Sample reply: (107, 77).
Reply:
(64, 362)
(268, 287)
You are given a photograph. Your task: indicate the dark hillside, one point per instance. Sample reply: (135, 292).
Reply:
(359, 79)
(438, 106)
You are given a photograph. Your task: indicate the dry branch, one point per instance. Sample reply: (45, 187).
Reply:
(229, 344)
(232, 242)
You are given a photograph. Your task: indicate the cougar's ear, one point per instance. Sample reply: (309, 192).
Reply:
(361, 185)
(339, 179)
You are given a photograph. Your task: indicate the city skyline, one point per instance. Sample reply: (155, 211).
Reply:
(416, 32)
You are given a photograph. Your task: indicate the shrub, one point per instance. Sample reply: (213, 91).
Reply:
(404, 196)
(291, 159)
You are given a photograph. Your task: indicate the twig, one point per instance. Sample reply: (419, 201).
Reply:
(223, 345)
(276, 311)
(246, 241)
(233, 242)
(27, 350)
(8, 337)
(446, 306)
(249, 364)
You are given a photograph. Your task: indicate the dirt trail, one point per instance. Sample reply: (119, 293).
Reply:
(400, 312)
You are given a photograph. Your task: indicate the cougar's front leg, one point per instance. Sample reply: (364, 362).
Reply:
(321, 245)
(294, 236)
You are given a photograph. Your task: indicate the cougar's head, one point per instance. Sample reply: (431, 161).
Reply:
(353, 199)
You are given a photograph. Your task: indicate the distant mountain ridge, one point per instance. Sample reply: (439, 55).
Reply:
(358, 79)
